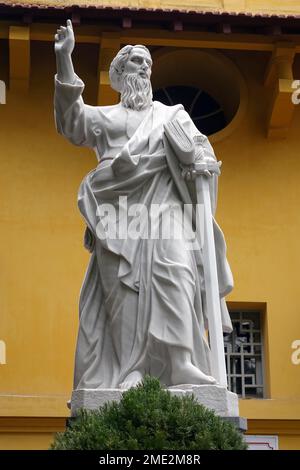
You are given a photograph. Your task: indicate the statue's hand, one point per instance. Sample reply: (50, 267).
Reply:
(205, 167)
(208, 167)
(64, 39)
(188, 172)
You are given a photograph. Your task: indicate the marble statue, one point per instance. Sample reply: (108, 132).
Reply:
(143, 306)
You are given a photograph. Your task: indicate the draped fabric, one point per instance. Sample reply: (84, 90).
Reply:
(140, 296)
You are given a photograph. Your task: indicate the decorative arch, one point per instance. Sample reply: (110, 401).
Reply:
(209, 71)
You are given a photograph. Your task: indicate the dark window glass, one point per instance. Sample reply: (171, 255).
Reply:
(207, 114)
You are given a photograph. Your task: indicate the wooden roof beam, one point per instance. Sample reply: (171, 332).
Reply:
(177, 25)
(109, 47)
(279, 82)
(224, 28)
(76, 18)
(126, 22)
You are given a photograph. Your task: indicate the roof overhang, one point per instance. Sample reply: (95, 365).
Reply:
(52, 11)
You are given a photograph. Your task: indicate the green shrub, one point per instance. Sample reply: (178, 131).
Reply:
(148, 417)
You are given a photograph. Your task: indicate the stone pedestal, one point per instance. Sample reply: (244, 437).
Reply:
(93, 398)
(215, 397)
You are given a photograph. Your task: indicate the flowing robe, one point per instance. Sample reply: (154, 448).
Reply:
(140, 296)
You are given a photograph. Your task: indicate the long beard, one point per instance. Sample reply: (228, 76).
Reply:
(136, 92)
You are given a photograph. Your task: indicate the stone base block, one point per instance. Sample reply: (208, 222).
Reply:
(215, 397)
(93, 398)
(238, 421)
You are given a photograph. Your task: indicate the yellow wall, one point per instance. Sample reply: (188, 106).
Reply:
(43, 261)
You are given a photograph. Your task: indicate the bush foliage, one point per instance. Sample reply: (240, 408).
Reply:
(148, 417)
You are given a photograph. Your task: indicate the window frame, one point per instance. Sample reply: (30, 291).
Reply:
(260, 311)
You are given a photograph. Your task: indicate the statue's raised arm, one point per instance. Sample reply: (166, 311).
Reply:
(74, 119)
(64, 46)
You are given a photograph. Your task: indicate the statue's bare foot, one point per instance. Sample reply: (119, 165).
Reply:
(132, 380)
(189, 374)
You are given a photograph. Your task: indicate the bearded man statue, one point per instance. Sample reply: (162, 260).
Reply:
(142, 303)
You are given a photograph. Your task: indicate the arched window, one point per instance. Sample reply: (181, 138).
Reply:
(205, 111)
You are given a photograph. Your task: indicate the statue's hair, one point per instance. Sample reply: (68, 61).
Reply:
(117, 66)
